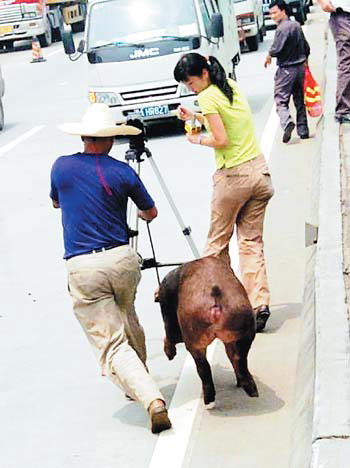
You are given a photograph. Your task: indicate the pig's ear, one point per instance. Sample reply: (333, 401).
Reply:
(156, 295)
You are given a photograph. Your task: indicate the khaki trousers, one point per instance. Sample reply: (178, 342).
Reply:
(240, 196)
(103, 288)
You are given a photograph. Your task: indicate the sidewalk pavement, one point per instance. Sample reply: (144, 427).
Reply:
(322, 403)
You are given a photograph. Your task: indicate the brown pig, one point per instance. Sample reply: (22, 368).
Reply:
(203, 300)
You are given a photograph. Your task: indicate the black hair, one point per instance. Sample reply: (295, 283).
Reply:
(281, 4)
(193, 64)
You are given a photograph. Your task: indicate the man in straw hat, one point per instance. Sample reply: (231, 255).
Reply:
(92, 190)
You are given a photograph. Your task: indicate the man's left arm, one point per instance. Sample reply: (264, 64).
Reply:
(142, 199)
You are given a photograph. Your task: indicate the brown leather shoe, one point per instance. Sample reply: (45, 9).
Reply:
(262, 315)
(159, 418)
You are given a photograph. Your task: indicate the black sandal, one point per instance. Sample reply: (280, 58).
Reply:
(262, 316)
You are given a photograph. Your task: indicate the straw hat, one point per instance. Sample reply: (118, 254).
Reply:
(98, 121)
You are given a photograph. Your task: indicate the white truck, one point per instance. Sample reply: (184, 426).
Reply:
(24, 19)
(250, 22)
(132, 47)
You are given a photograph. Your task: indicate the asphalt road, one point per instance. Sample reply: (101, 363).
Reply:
(56, 410)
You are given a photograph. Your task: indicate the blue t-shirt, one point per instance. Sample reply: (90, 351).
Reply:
(92, 191)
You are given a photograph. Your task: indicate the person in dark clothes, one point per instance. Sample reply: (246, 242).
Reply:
(92, 190)
(291, 50)
(339, 23)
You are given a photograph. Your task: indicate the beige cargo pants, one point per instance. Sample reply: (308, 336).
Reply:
(103, 288)
(240, 196)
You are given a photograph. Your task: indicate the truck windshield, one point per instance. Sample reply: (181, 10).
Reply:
(134, 23)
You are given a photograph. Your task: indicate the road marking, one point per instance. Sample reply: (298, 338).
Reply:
(50, 54)
(4, 149)
(267, 137)
(171, 446)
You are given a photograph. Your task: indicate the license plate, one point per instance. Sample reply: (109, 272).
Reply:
(5, 30)
(155, 111)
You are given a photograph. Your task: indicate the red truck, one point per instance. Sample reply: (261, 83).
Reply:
(23, 19)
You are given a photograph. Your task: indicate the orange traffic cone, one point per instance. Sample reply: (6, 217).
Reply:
(36, 51)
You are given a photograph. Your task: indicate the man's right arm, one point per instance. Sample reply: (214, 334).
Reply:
(278, 43)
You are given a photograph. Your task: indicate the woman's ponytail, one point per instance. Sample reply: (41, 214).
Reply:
(218, 77)
(193, 64)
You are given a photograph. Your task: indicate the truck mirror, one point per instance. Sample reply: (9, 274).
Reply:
(217, 25)
(81, 46)
(68, 41)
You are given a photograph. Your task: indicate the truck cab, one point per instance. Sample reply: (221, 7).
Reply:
(132, 47)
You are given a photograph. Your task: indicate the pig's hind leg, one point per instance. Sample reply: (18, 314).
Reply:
(237, 352)
(204, 372)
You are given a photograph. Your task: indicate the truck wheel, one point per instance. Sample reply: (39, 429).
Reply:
(9, 45)
(253, 42)
(2, 119)
(299, 16)
(56, 35)
(78, 27)
(261, 33)
(46, 38)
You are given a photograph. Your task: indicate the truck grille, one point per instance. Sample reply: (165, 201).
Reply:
(10, 13)
(153, 94)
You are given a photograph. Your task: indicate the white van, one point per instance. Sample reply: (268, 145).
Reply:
(2, 92)
(132, 47)
(250, 22)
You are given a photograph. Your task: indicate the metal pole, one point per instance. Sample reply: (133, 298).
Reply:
(185, 230)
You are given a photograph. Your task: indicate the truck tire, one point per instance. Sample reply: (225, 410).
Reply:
(78, 27)
(9, 45)
(2, 118)
(253, 42)
(46, 38)
(56, 35)
(300, 16)
(261, 33)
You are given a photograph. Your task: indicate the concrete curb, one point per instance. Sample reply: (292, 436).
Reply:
(321, 436)
(331, 420)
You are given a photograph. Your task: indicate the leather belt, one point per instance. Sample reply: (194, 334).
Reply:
(102, 249)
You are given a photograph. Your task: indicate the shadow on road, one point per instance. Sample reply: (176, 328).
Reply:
(233, 401)
(280, 313)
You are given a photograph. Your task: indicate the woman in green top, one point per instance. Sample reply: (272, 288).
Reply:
(242, 182)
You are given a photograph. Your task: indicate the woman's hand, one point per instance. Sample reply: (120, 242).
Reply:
(194, 139)
(184, 114)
